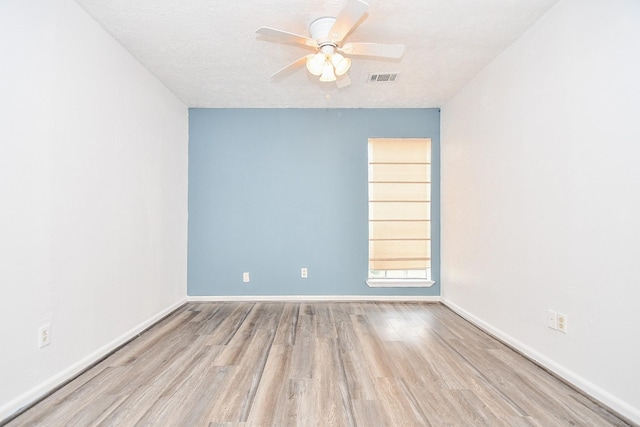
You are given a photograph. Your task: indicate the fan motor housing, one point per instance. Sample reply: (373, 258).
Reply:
(320, 28)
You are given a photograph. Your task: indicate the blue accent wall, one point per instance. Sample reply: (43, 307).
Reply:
(275, 190)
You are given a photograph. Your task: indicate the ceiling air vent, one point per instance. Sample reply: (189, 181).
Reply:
(386, 77)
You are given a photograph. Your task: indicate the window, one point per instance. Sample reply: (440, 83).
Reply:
(399, 212)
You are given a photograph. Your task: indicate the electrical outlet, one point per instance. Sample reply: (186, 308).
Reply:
(245, 277)
(552, 319)
(44, 335)
(562, 322)
(303, 272)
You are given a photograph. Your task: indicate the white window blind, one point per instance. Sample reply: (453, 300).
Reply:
(399, 204)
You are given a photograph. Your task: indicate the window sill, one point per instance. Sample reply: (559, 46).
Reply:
(400, 283)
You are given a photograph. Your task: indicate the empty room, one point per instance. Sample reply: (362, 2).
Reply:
(296, 213)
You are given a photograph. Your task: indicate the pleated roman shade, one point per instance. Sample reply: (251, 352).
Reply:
(399, 203)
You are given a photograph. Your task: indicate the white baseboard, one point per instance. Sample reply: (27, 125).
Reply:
(257, 298)
(14, 406)
(588, 388)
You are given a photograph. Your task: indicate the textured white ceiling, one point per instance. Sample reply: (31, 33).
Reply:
(208, 54)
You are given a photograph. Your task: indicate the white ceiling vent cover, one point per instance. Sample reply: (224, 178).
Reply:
(383, 77)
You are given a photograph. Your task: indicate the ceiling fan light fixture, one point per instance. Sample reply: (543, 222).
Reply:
(315, 63)
(328, 75)
(340, 63)
(327, 36)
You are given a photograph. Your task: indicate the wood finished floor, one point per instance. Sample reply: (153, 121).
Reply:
(315, 364)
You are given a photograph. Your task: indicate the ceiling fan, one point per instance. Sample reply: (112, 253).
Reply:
(327, 35)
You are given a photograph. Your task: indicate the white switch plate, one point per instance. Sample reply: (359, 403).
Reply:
(245, 277)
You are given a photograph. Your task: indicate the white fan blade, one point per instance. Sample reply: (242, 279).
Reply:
(286, 36)
(343, 81)
(394, 51)
(284, 72)
(348, 18)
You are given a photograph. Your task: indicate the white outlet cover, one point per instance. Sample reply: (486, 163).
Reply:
(44, 335)
(562, 322)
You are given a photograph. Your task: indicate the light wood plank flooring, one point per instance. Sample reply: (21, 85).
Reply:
(315, 364)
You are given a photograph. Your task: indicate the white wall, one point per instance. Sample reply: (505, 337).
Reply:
(541, 196)
(93, 195)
